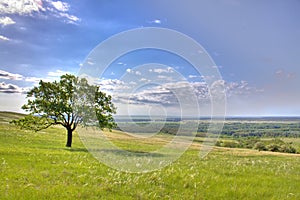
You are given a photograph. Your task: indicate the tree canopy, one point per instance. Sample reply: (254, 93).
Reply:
(68, 102)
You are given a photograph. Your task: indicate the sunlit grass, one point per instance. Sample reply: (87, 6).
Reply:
(38, 166)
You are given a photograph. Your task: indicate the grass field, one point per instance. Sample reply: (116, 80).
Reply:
(37, 166)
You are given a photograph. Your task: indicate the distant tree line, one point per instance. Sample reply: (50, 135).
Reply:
(238, 130)
(236, 135)
(261, 129)
(231, 129)
(274, 145)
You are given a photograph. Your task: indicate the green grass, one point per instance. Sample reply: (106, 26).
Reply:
(37, 166)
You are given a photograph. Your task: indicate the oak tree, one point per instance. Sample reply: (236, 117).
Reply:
(68, 102)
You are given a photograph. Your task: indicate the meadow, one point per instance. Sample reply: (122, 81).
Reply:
(36, 165)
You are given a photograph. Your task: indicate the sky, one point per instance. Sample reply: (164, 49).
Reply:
(253, 46)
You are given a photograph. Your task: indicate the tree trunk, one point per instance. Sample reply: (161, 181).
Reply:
(69, 138)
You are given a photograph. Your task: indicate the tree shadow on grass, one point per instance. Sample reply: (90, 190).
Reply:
(133, 153)
(76, 149)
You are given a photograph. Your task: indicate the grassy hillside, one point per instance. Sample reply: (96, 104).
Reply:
(6, 117)
(37, 166)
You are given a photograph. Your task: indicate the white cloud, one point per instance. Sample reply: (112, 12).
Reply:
(4, 38)
(144, 80)
(193, 76)
(160, 70)
(163, 77)
(241, 88)
(156, 21)
(90, 63)
(131, 71)
(18, 77)
(121, 63)
(10, 76)
(60, 10)
(56, 9)
(132, 83)
(138, 73)
(169, 94)
(71, 18)
(10, 88)
(58, 73)
(6, 21)
(60, 6)
(32, 79)
(21, 7)
(108, 85)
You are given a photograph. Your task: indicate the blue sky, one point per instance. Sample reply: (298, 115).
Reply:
(254, 44)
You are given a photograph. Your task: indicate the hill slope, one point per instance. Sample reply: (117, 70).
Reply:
(37, 166)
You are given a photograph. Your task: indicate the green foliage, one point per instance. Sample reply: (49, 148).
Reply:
(35, 123)
(68, 102)
(261, 129)
(275, 145)
(244, 129)
(248, 134)
(227, 143)
(288, 148)
(260, 146)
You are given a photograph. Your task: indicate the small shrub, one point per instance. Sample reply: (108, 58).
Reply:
(230, 144)
(273, 147)
(260, 146)
(287, 149)
(218, 143)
